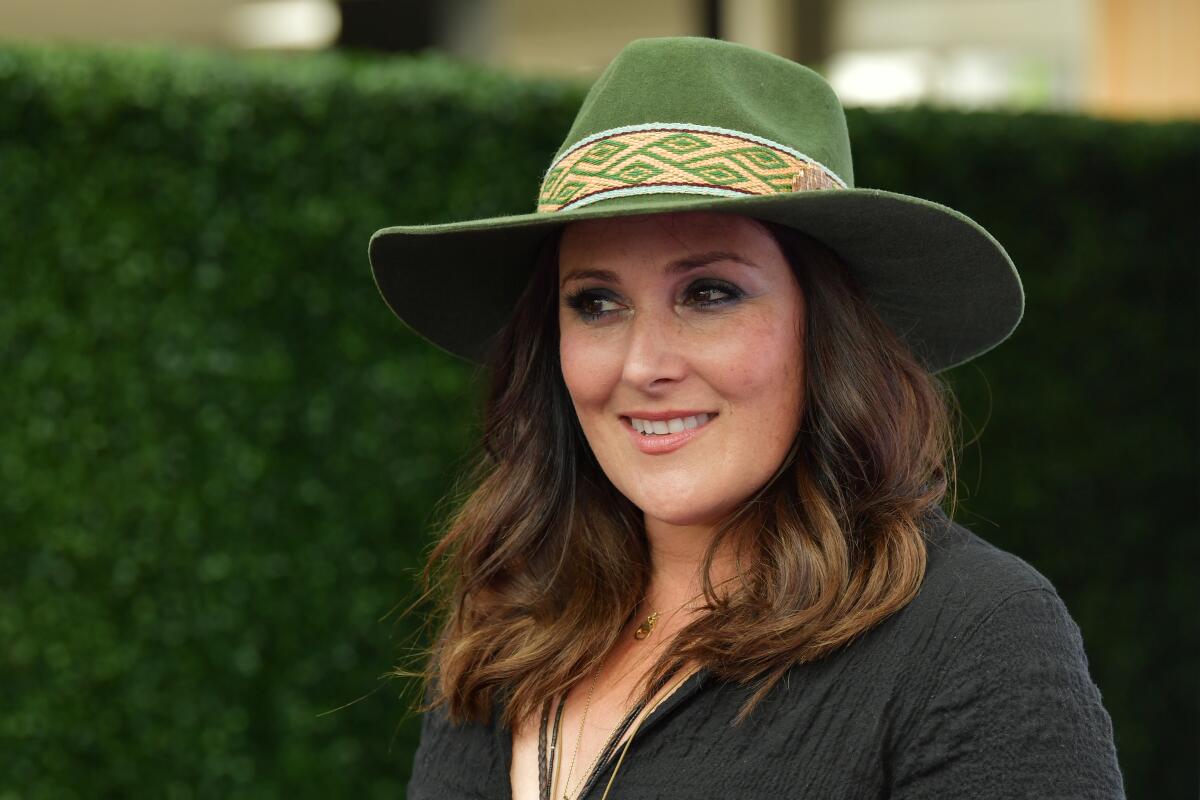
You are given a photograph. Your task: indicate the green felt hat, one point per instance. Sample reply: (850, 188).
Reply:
(694, 124)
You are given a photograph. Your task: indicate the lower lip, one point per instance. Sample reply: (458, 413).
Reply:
(660, 443)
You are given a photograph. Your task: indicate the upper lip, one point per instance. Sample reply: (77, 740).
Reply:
(665, 415)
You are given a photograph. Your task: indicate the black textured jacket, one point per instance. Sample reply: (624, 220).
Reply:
(979, 688)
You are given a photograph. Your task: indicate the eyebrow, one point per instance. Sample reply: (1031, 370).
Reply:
(679, 265)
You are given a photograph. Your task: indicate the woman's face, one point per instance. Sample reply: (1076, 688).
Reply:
(689, 326)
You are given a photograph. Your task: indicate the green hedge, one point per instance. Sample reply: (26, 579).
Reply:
(220, 455)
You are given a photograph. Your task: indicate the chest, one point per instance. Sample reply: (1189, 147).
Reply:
(580, 745)
(818, 733)
(590, 726)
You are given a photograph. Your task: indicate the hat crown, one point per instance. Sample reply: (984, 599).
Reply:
(722, 85)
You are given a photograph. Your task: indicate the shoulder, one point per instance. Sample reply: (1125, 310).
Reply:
(455, 760)
(985, 610)
(966, 569)
(970, 582)
(974, 597)
(998, 691)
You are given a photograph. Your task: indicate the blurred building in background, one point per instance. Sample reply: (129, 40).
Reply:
(1130, 58)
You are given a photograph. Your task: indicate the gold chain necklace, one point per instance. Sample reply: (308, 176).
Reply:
(643, 631)
(579, 736)
(642, 718)
(647, 625)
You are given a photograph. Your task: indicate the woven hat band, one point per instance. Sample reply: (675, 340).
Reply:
(677, 158)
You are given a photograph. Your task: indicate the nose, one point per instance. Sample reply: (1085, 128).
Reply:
(656, 352)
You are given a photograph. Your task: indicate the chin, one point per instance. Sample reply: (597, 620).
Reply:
(681, 511)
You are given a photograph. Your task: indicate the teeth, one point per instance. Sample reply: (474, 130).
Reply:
(660, 426)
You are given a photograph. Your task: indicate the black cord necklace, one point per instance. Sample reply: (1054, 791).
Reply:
(546, 759)
(546, 764)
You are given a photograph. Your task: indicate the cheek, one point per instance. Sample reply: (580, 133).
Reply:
(761, 354)
(586, 369)
(758, 368)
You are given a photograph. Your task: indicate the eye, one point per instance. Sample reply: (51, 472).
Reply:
(708, 293)
(592, 304)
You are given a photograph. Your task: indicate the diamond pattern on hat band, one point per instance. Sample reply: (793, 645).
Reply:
(677, 158)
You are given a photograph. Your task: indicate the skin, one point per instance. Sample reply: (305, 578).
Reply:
(655, 347)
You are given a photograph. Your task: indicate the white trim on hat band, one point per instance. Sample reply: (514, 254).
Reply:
(635, 190)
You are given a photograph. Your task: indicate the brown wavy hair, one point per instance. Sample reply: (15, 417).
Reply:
(541, 562)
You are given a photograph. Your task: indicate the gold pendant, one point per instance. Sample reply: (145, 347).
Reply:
(644, 629)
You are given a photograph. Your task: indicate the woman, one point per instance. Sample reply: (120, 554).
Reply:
(704, 553)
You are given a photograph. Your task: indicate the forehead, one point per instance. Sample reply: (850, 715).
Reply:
(661, 237)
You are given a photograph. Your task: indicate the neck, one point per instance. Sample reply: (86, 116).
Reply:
(676, 559)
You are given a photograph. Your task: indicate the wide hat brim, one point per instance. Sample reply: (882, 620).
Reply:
(937, 277)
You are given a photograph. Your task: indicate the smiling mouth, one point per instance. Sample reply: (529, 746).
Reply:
(651, 428)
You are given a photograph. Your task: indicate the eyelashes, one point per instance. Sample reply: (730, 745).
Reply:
(590, 304)
(587, 302)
